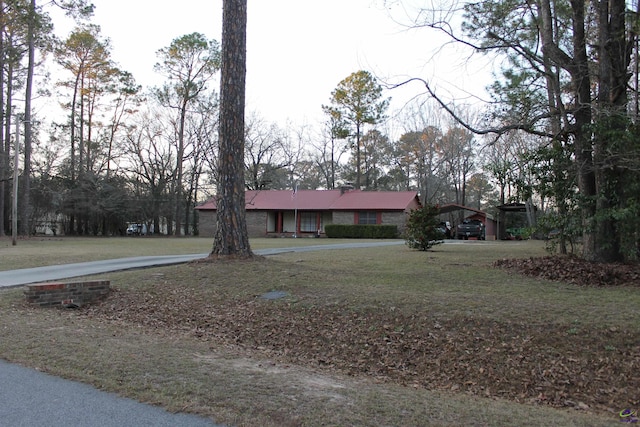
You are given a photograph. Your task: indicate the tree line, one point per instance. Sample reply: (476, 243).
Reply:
(119, 153)
(568, 76)
(560, 132)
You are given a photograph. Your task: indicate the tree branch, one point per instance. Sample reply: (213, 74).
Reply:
(498, 131)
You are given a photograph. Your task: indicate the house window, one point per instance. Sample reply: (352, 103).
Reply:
(367, 217)
(308, 222)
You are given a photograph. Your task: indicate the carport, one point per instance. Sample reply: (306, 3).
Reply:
(515, 208)
(470, 213)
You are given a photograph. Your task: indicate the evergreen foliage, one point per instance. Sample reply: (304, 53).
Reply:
(423, 231)
(361, 231)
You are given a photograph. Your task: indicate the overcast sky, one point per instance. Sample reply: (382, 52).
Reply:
(297, 50)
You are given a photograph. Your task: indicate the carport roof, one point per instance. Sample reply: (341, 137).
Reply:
(452, 207)
(515, 207)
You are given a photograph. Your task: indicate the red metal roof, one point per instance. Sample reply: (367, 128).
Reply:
(326, 200)
(376, 200)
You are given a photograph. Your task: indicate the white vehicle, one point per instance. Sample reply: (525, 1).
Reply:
(136, 230)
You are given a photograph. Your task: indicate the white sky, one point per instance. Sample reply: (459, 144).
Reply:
(297, 50)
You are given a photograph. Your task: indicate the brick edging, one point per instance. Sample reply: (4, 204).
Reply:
(67, 294)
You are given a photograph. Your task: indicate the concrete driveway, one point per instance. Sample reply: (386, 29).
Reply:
(48, 273)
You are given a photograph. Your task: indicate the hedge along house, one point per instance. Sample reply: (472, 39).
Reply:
(307, 212)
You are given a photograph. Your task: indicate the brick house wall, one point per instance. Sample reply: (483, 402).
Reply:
(256, 223)
(396, 218)
(391, 218)
(207, 223)
(343, 217)
(273, 211)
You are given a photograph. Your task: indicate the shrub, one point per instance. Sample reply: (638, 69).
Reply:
(423, 228)
(357, 231)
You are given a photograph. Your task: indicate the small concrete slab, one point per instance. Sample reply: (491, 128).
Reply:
(274, 295)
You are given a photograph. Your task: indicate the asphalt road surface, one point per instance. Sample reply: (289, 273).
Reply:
(29, 398)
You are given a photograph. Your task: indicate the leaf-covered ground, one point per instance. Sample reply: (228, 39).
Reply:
(575, 270)
(534, 361)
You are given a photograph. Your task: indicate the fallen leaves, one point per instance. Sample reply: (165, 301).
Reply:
(530, 362)
(577, 271)
(460, 354)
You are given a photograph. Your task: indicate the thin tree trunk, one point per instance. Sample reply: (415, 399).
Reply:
(8, 100)
(358, 172)
(72, 149)
(4, 163)
(25, 208)
(179, 168)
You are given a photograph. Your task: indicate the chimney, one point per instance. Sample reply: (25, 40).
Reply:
(346, 187)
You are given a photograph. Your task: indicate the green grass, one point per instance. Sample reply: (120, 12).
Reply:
(460, 279)
(249, 385)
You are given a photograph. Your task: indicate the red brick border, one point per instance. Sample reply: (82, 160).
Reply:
(67, 294)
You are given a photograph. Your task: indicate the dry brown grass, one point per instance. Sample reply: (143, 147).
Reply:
(379, 336)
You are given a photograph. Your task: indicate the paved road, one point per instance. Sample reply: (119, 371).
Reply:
(30, 398)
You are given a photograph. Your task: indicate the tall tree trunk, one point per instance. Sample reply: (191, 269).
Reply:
(610, 127)
(179, 167)
(231, 236)
(8, 113)
(554, 94)
(332, 182)
(4, 162)
(581, 82)
(72, 149)
(358, 159)
(25, 208)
